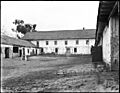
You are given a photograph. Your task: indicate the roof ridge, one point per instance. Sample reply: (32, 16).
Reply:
(15, 41)
(61, 30)
(64, 34)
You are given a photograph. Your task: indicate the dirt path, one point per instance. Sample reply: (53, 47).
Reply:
(51, 74)
(16, 67)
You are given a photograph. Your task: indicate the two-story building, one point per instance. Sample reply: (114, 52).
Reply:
(63, 41)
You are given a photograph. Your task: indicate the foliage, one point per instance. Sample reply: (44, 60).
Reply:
(18, 22)
(24, 28)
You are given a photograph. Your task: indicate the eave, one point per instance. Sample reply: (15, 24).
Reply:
(105, 11)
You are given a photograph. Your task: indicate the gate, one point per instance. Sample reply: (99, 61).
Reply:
(96, 54)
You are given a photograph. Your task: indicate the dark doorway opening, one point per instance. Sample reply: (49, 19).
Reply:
(23, 58)
(33, 51)
(96, 52)
(36, 51)
(23, 51)
(42, 50)
(20, 53)
(15, 49)
(75, 50)
(67, 49)
(56, 50)
(6, 52)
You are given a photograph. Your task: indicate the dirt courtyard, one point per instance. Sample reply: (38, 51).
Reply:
(50, 74)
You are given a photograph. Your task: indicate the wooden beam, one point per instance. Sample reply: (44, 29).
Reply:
(106, 6)
(103, 16)
(102, 20)
(104, 13)
(118, 7)
(113, 10)
(105, 9)
(108, 2)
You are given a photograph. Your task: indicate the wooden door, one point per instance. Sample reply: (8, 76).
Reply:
(20, 53)
(97, 54)
(7, 52)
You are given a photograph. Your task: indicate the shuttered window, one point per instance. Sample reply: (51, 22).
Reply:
(87, 42)
(37, 43)
(55, 42)
(66, 42)
(77, 42)
(46, 42)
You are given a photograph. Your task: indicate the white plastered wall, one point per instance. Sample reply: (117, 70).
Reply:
(107, 44)
(82, 47)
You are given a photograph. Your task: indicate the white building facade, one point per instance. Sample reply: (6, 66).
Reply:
(73, 46)
(12, 47)
(62, 42)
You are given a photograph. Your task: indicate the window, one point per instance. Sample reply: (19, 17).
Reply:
(75, 49)
(55, 42)
(87, 42)
(37, 43)
(46, 42)
(65, 42)
(77, 42)
(15, 49)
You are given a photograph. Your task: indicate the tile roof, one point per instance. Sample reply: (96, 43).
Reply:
(60, 34)
(13, 41)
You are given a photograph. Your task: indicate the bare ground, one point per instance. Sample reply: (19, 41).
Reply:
(55, 74)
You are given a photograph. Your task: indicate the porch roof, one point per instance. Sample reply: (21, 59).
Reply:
(105, 11)
(13, 41)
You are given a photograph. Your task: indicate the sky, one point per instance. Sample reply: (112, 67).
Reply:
(50, 15)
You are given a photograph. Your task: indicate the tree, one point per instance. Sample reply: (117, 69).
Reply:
(24, 28)
(18, 22)
(34, 26)
(21, 29)
(28, 27)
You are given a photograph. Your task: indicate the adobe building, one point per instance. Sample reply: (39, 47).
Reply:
(12, 47)
(107, 33)
(63, 41)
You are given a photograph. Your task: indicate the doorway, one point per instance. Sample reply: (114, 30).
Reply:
(42, 50)
(7, 52)
(20, 53)
(96, 52)
(68, 50)
(56, 50)
(23, 57)
(23, 51)
(36, 52)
